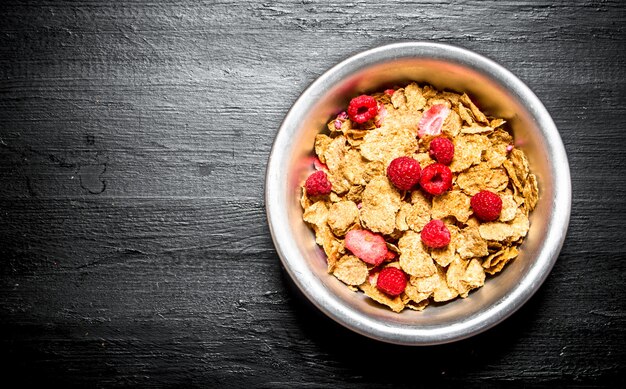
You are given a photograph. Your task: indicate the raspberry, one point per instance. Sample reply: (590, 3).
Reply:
(317, 184)
(391, 280)
(404, 172)
(366, 245)
(435, 234)
(362, 108)
(389, 92)
(442, 150)
(486, 205)
(436, 179)
(432, 120)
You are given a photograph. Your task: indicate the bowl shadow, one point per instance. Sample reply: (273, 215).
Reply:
(367, 357)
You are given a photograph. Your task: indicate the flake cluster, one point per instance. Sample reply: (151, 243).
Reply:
(418, 195)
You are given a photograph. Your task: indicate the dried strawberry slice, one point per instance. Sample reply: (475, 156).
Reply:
(390, 256)
(318, 165)
(432, 120)
(369, 247)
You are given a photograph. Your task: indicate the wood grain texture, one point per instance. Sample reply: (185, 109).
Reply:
(133, 142)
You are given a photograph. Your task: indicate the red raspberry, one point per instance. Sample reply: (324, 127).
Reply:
(486, 205)
(442, 150)
(436, 179)
(404, 172)
(432, 120)
(369, 247)
(435, 234)
(317, 184)
(391, 280)
(389, 92)
(362, 108)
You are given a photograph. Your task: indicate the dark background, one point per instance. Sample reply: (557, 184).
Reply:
(133, 143)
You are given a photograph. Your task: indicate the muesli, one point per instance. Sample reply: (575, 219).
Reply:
(417, 195)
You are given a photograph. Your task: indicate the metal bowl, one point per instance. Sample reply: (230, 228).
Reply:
(499, 93)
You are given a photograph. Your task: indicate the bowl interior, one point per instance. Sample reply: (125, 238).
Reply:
(306, 261)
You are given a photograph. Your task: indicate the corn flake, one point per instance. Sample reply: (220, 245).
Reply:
(517, 168)
(425, 285)
(453, 203)
(452, 124)
(424, 159)
(316, 214)
(476, 129)
(321, 145)
(509, 206)
(478, 116)
(511, 231)
(359, 171)
(464, 276)
(412, 216)
(470, 244)
(495, 262)
(380, 203)
(414, 257)
(333, 248)
(481, 177)
(395, 303)
(342, 216)
(351, 270)
(531, 192)
(468, 151)
(497, 153)
(465, 114)
(495, 123)
(415, 100)
(398, 99)
(334, 153)
(418, 306)
(412, 293)
(443, 292)
(385, 144)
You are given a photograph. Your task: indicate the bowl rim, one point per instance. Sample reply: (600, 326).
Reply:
(334, 307)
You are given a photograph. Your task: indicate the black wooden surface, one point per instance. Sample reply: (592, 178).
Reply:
(134, 245)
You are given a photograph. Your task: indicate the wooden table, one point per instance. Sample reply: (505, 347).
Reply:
(134, 245)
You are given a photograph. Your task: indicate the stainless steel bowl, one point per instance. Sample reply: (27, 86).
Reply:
(501, 94)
